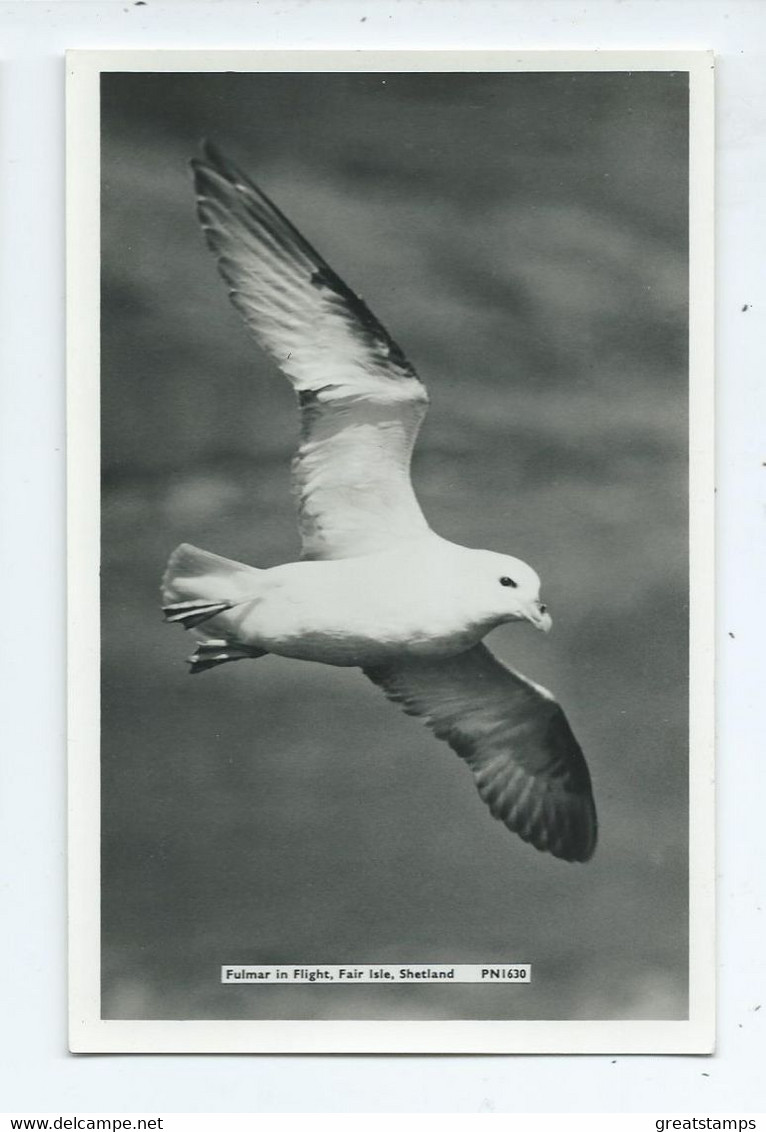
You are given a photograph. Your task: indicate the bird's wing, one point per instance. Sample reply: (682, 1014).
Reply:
(527, 764)
(360, 399)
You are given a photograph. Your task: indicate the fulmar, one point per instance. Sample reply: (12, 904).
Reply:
(376, 587)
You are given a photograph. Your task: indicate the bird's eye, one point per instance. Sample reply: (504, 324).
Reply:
(506, 581)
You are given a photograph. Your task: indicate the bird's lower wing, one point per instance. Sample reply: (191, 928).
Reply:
(361, 401)
(527, 764)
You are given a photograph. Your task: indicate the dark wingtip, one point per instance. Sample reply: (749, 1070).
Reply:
(581, 850)
(200, 158)
(212, 154)
(211, 160)
(570, 835)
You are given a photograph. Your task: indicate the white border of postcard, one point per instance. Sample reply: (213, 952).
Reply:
(89, 1033)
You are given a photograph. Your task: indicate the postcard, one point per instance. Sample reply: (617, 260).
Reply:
(390, 567)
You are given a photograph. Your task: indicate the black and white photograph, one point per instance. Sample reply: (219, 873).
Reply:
(384, 374)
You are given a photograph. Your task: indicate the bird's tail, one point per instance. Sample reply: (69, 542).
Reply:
(198, 586)
(195, 577)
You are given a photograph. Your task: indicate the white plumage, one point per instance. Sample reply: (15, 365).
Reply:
(376, 587)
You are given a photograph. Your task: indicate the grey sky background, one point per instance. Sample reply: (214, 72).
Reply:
(523, 238)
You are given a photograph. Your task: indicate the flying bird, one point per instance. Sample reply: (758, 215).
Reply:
(376, 587)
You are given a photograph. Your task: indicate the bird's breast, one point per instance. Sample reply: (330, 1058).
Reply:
(348, 649)
(350, 631)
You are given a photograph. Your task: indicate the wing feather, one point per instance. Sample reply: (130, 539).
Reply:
(361, 400)
(527, 764)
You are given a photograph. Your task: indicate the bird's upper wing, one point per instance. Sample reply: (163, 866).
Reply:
(361, 401)
(527, 764)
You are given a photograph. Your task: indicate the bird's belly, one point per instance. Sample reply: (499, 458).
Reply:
(348, 650)
(358, 644)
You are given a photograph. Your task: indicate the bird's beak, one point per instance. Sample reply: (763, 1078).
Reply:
(537, 614)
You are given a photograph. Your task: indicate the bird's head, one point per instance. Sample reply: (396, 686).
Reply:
(511, 590)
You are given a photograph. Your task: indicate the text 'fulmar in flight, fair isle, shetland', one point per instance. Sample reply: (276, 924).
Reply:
(376, 587)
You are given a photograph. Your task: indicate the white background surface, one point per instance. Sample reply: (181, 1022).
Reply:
(36, 1072)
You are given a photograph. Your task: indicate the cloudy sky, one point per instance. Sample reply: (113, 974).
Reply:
(523, 238)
